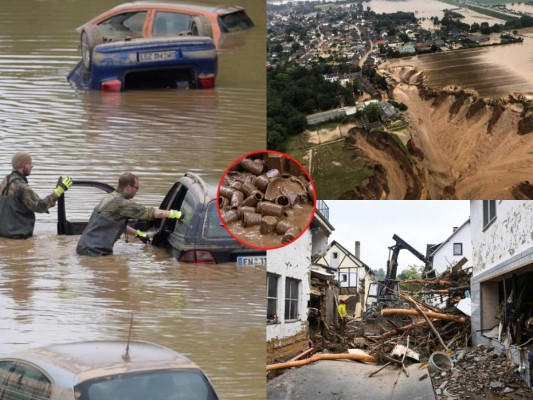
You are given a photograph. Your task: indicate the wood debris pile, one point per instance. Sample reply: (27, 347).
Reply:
(427, 321)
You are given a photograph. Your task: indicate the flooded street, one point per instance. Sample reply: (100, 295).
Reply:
(214, 315)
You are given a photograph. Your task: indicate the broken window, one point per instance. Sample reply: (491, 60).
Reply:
(457, 249)
(489, 212)
(506, 311)
(272, 298)
(291, 298)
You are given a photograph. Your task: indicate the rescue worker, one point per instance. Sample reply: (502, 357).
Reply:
(18, 201)
(109, 219)
(341, 308)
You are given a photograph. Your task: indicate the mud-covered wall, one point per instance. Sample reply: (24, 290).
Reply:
(510, 234)
(292, 261)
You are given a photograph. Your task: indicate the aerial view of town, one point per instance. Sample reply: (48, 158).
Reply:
(405, 99)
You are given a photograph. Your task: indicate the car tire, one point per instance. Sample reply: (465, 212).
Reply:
(90, 38)
(201, 26)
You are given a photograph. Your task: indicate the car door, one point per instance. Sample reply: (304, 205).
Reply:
(22, 381)
(69, 227)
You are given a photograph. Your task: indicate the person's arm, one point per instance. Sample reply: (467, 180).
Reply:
(167, 214)
(32, 201)
(131, 231)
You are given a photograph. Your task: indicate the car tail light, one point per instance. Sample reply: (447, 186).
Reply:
(206, 81)
(113, 85)
(197, 257)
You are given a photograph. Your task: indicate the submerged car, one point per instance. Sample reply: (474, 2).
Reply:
(155, 45)
(199, 238)
(159, 19)
(102, 370)
(173, 62)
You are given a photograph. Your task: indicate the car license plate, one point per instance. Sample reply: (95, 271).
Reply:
(157, 56)
(251, 260)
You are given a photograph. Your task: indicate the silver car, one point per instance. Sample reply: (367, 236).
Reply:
(102, 370)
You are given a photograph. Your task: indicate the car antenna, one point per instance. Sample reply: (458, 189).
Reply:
(126, 355)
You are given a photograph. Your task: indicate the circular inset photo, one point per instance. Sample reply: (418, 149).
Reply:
(266, 199)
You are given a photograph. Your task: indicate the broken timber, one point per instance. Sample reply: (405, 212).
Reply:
(430, 314)
(316, 357)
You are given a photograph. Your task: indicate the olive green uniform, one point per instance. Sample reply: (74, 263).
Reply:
(18, 205)
(108, 222)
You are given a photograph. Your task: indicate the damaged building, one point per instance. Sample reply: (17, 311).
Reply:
(502, 279)
(294, 290)
(353, 275)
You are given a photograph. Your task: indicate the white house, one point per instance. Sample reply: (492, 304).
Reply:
(453, 249)
(289, 289)
(502, 280)
(353, 275)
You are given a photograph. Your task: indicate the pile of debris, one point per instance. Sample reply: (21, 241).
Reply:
(477, 373)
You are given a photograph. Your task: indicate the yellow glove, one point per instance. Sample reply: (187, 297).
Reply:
(175, 214)
(142, 236)
(63, 186)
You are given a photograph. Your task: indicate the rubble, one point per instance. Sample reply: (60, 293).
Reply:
(480, 373)
(420, 329)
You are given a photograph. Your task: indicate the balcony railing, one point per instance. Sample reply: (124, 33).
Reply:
(323, 209)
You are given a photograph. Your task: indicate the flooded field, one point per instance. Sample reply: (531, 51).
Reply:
(492, 71)
(48, 293)
(424, 10)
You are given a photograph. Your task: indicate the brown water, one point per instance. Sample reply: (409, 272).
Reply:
(48, 293)
(493, 71)
(425, 9)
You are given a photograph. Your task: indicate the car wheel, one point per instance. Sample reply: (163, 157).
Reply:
(201, 27)
(90, 38)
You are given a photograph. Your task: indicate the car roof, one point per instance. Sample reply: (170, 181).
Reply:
(93, 359)
(207, 184)
(221, 10)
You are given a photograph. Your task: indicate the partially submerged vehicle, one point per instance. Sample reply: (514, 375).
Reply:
(146, 19)
(174, 62)
(155, 45)
(199, 238)
(102, 370)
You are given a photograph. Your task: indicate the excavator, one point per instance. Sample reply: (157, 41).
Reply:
(383, 295)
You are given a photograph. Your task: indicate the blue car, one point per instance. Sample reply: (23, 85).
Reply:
(148, 63)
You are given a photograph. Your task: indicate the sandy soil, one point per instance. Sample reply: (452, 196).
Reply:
(460, 152)
(327, 135)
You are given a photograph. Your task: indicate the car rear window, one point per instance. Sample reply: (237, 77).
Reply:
(20, 381)
(213, 228)
(153, 385)
(234, 22)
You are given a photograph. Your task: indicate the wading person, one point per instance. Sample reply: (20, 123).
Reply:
(109, 219)
(18, 201)
(342, 316)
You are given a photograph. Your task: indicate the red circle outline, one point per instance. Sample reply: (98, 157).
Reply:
(310, 181)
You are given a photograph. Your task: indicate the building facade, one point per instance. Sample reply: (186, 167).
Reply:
(453, 249)
(502, 279)
(289, 289)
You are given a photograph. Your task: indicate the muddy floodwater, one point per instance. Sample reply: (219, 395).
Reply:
(425, 9)
(212, 314)
(493, 71)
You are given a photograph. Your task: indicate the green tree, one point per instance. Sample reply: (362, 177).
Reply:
(411, 272)
(372, 112)
(380, 274)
